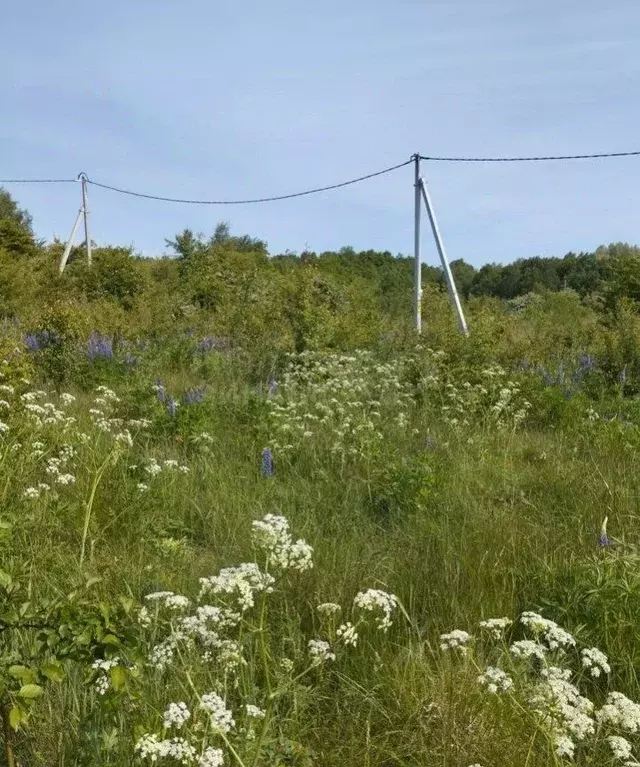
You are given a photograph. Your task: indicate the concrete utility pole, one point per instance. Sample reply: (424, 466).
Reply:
(417, 266)
(84, 213)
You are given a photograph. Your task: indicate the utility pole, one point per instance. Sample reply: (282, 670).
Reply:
(84, 213)
(417, 266)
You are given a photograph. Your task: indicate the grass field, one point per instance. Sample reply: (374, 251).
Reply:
(146, 618)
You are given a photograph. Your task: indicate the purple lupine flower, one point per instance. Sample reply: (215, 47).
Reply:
(272, 387)
(161, 392)
(99, 347)
(268, 464)
(194, 396)
(209, 343)
(604, 538)
(429, 443)
(31, 342)
(40, 339)
(172, 407)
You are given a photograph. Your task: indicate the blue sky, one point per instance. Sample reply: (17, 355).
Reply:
(223, 100)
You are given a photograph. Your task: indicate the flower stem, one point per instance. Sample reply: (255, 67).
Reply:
(89, 507)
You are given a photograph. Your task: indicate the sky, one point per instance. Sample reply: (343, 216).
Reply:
(215, 100)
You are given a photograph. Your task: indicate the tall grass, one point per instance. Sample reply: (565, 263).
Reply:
(451, 489)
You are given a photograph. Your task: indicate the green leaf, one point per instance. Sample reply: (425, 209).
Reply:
(30, 691)
(110, 639)
(16, 717)
(5, 579)
(118, 676)
(25, 674)
(53, 670)
(127, 604)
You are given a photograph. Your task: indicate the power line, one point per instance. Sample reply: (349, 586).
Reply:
(256, 200)
(532, 159)
(38, 180)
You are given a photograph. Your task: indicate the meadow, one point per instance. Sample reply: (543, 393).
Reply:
(250, 519)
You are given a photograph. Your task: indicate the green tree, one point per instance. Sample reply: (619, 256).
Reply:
(16, 234)
(10, 210)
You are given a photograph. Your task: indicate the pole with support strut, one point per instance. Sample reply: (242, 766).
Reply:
(417, 266)
(451, 285)
(84, 213)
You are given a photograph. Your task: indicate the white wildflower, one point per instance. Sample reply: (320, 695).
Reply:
(620, 747)
(159, 596)
(241, 582)
(348, 634)
(150, 747)
(177, 602)
(103, 681)
(144, 619)
(564, 746)
(124, 437)
(221, 718)
(253, 712)
(272, 535)
(328, 608)
(455, 640)
(320, 651)
(495, 680)
(596, 661)
(558, 638)
(375, 600)
(620, 712)
(229, 655)
(176, 714)
(65, 479)
(107, 394)
(153, 467)
(169, 600)
(537, 623)
(557, 700)
(527, 648)
(212, 757)
(496, 626)
(161, 655)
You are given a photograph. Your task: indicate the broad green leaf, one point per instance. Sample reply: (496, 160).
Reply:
(25, 674)
(127, 604)
(53, 670)
(29, 691)
(118, 676)
(16, 717)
